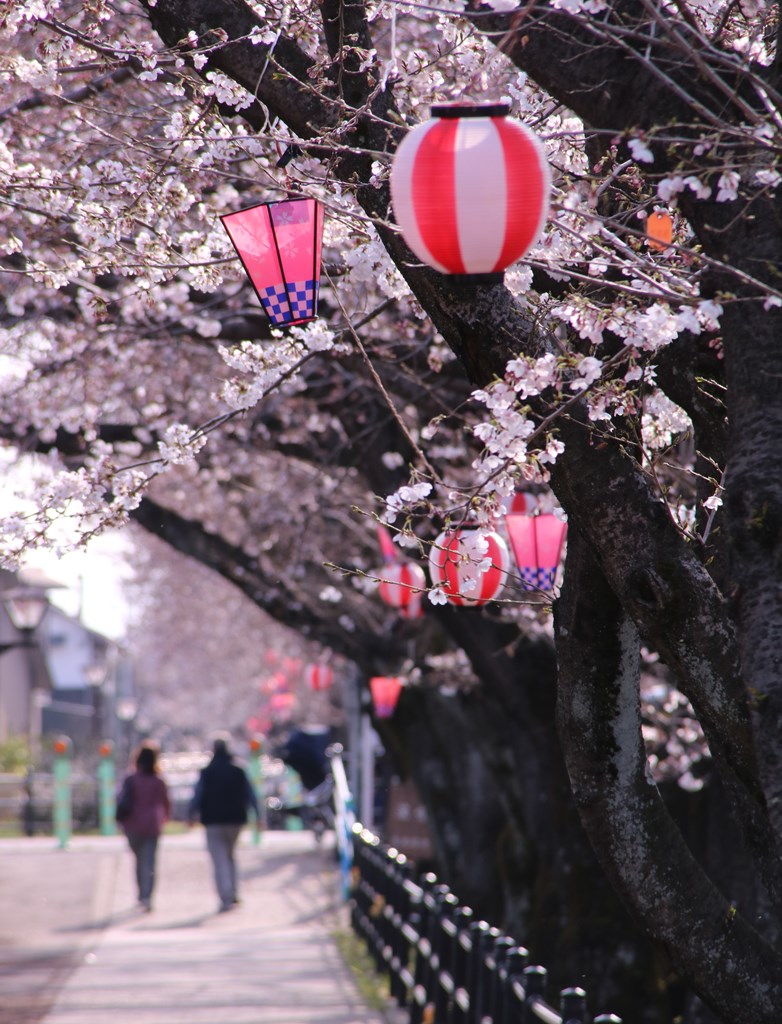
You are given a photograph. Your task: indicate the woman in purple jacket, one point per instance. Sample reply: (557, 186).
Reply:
(143, 807)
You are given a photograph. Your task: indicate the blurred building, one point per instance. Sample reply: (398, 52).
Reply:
(59, 677)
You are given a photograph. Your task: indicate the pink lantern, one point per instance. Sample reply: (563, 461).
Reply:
(537, 547)
(521, 503)
(470, 189)
(279, 245)
(385, 692)
(319, 677)
(471, 566)
(401, 584)
(282, 703)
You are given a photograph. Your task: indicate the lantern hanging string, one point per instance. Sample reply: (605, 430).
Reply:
(379, 383)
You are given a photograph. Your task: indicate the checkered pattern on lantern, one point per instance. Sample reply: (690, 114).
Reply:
(297, 303)
(537, 579)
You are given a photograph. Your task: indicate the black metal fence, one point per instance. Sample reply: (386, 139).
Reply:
(443, 966)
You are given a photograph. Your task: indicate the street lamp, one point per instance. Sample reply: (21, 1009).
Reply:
(126, 711)
(95, 674)
(26, 609)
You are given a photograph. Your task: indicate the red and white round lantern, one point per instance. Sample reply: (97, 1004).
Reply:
(470, 189)
(401, 584)
(471, 566)
(319, 677)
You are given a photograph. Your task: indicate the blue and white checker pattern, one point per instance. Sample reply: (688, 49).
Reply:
(295, 301)
(538, 579)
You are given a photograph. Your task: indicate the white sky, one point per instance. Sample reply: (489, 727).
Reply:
(93, 580)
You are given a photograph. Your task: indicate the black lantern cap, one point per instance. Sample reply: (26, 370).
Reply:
(455, 110)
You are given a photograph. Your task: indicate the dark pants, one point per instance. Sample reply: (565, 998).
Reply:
(144, 850)
(221, 842)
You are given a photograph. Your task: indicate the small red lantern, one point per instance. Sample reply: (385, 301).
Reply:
(386, 541)
(319, 677)
(281, 703)
(106, 749)
(279, 245)
(470, 565)
(385, 692)
(520, 503)
(401, 584)
(470, 189)
(537, 546)
(659, 230)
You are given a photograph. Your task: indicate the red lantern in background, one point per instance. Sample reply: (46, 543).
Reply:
(319, 677)
(281, 704)
(457, 558)
(389, 552)
(537, 547)
(521, 503)
(659, 230)
(385, 692)
(401, 584)
(291, 667)
(470, 189)
(279, 245)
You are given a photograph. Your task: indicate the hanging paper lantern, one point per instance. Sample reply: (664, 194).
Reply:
(659, 229)
(399, 583)
(291, 667)
(471, 566)
(279, 245)
(470, 189)
(319, 677)
(537, 547)
(385, 692)
(282, 703)
(521, 503)
(389, 552)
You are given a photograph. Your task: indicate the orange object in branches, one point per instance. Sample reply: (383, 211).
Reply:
(659, 229)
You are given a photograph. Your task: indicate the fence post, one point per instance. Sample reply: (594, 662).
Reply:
(63, 801)
(460, 966)
(573, 1005)
(510, 970)
(422, 982)
(254, 771)
(107, 786)
(443, 956)
(479, 943)
(495, 960)
(535, 979)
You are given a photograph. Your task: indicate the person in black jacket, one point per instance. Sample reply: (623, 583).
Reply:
(221, 799)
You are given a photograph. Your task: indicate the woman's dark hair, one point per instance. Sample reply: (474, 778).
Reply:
(146, 759)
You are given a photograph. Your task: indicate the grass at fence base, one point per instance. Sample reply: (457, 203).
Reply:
(372, 986)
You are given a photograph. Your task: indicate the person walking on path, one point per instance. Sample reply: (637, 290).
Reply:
(143, 807)
(221, 799)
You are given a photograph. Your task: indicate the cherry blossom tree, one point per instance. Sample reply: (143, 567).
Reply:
(636, 379)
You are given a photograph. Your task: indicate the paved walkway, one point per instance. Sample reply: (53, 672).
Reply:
(271, 959)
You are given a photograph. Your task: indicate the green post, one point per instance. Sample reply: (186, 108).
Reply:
(293, 797)
(62, 791)
(256, 780)
(107, 783)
